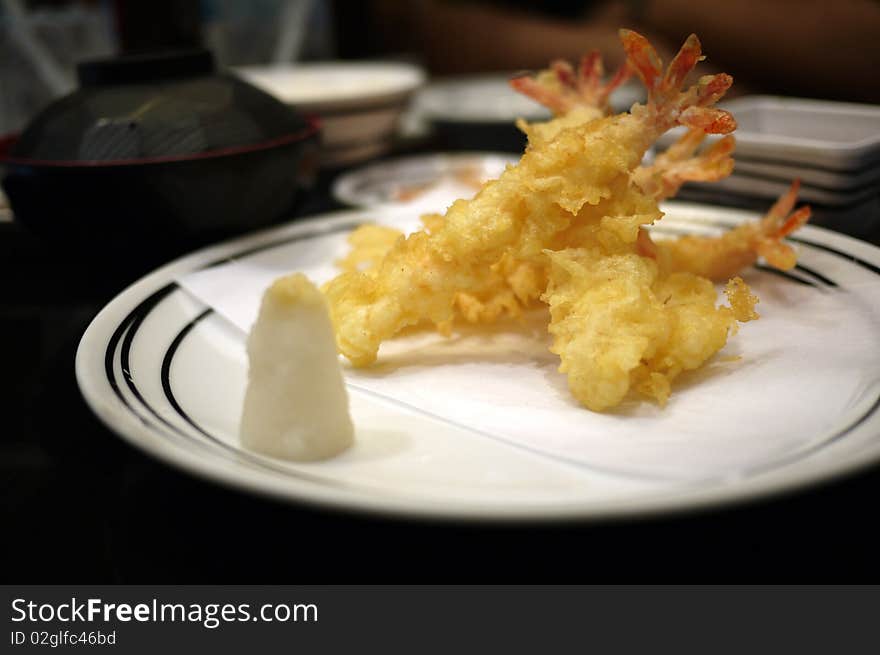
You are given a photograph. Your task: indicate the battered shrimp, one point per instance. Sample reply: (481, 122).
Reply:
(575, 98)
(719, 258)
(566, 226)
(618, 321)
(580, 178)
(503, 288)
(618, 324)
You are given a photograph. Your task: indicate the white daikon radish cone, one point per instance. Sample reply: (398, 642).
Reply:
(296, 405)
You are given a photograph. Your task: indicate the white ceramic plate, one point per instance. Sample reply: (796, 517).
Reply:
(801, 406)
(407, 179)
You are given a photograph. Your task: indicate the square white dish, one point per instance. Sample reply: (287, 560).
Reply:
(763, 187)
(813, 133)
(838, 181)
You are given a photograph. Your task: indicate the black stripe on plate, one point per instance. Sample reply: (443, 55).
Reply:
(123, 329)
(785, 274)
(816, 275)
(136, 319)
(144, 306)
(849, 257)
(166, 369)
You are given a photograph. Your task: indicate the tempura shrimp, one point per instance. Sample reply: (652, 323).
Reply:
(566, 226)
(580, 177)
(719, 258)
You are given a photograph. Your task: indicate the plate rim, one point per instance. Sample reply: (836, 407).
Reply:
(342, 190)
(89, 366)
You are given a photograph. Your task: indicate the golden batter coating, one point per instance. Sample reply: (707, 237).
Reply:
(565, 226)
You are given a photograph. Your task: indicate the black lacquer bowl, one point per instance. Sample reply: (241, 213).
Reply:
(157, 153)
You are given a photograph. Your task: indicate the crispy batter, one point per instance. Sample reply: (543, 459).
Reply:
(369, 244)
(565, 226)
(617, 323)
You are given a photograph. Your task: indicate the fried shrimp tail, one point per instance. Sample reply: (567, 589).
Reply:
(562, 89)
(574, 97)
(720, 258)
(779, 222)
(680, 164)
(691, 107)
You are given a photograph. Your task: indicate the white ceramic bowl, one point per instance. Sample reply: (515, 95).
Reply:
(359, 103)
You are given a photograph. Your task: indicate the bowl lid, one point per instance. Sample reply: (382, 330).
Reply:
(156, 107)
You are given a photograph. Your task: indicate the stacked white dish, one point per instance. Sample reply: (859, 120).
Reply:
(359, 104)
(832, 147)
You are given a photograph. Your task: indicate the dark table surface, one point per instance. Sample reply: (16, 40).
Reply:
(80, 505)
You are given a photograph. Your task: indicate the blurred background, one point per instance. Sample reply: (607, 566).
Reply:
(441, 67)
(787, 47)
